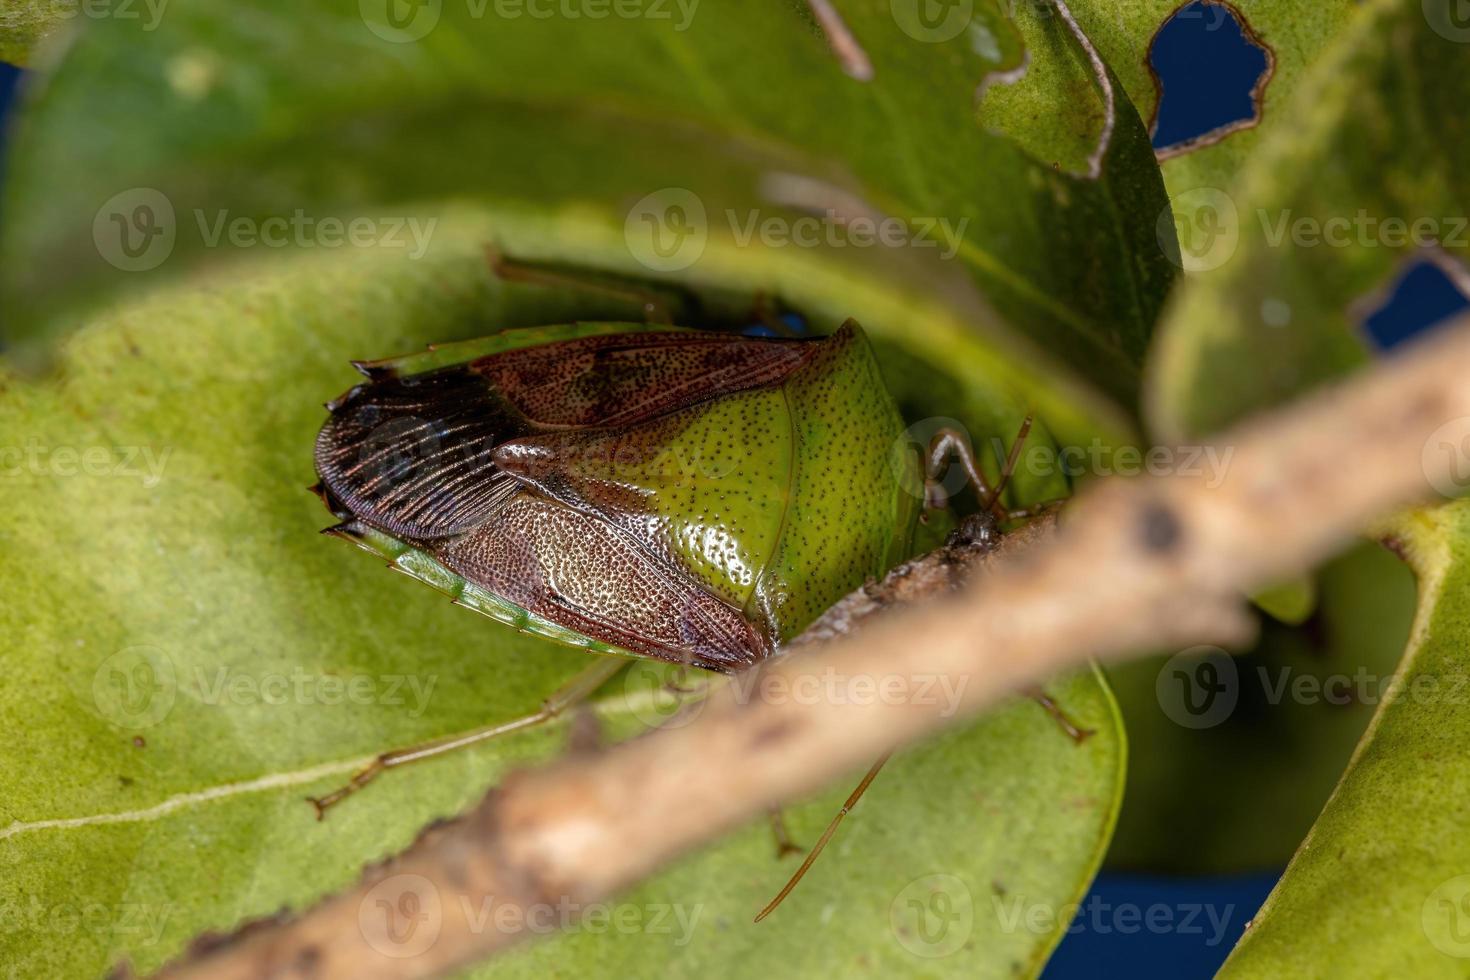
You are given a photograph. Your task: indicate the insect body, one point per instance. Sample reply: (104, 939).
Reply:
(690, 496)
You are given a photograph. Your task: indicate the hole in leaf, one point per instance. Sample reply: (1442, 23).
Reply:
(1428, 290)
(9, 83)
(1211, 70)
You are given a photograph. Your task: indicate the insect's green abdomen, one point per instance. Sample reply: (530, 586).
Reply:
(850, 507)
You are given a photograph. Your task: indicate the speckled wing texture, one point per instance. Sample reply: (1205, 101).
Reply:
(635, 488)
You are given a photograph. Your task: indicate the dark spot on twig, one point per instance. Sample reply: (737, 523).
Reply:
(307, 960)
(774, 732)
(585, 735)
(1159, 528)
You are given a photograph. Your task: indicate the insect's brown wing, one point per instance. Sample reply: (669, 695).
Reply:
(413, 456)
(619, 379)
(586, 574)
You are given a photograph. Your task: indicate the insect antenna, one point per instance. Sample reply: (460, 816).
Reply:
(1008, 468)
(821, 843)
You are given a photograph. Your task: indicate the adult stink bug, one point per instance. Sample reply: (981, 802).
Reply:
(691, 496)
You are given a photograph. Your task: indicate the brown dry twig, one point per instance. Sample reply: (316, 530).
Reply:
(1139, 564)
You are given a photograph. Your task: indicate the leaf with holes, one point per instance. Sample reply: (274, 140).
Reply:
(762, 97)
(1288, 270)
(1234, 68)
(1371, 173)
(311, 187)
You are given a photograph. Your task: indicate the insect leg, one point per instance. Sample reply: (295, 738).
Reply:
(657, 307)
(951, 442)
(578, 689)
(821, 843)
(1073, 730)
(784, 844)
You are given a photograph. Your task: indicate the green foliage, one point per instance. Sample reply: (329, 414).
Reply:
(167, 586)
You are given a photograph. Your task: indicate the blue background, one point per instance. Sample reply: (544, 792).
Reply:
(1207, 67)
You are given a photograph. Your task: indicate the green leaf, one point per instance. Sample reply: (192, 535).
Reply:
(1379, 886)
(1321, 219)
(550, 140)
(312, 108)
(1375, 130)
(1289, 602)
(24, 24)
(1226, 790)
(183, 646)
(1295, 34)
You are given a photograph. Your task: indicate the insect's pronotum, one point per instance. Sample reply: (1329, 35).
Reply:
(691, 496)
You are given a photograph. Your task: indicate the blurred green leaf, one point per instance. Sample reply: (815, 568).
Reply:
(1375, 152)
(1220, 791)
(1016, 289)
(1379, 886)
(264, 108)
(23, 24)
(1289, 602)
(1295, 33)
(1284, 268)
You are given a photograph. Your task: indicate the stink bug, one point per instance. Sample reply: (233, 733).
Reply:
(691, 496)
